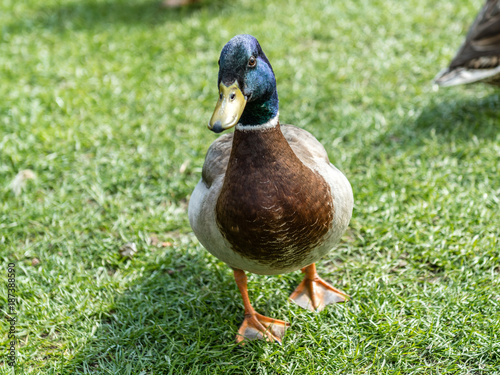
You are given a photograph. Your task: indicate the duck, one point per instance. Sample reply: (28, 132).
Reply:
(478, 59)
(269, 201)
(177, 3)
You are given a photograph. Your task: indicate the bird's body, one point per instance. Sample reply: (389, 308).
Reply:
(478, 59)
(269, 200)
(281, 205)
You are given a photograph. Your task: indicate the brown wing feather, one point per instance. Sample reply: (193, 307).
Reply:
(307, 148)
(216, 160)
(481, 49)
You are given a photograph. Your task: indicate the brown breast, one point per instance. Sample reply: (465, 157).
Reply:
(272, 208)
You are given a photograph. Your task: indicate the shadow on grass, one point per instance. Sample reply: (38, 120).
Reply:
(443, 120)
(448, 120)
(477, 117)
(185, 309)
(162, 316)
(91, 14)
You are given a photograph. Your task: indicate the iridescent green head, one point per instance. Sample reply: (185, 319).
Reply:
(247, 86)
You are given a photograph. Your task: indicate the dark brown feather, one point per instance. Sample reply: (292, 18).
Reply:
(481, 49)
(272, 208)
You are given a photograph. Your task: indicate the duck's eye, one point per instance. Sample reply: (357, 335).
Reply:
(252, 61)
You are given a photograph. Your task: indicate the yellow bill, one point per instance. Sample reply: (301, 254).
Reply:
(229, 108)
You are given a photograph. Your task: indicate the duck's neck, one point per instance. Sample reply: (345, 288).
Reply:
(273, 123)
(260, 112)
(261, 145)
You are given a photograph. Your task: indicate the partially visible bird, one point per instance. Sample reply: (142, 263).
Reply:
(177, 3)
(269, 200)
(478, 59)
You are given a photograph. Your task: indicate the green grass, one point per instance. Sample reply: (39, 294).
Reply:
(106, 102)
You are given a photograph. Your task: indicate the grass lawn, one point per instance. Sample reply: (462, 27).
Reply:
(106, 102)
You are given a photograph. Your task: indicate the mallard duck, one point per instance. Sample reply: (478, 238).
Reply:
(478, 59)
(269, 201)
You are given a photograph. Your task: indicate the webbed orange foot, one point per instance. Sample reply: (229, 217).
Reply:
(255, 325)
(260, 327)
(314, 293)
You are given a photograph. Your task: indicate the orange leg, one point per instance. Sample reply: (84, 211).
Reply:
(255, 325)
(314, 293)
